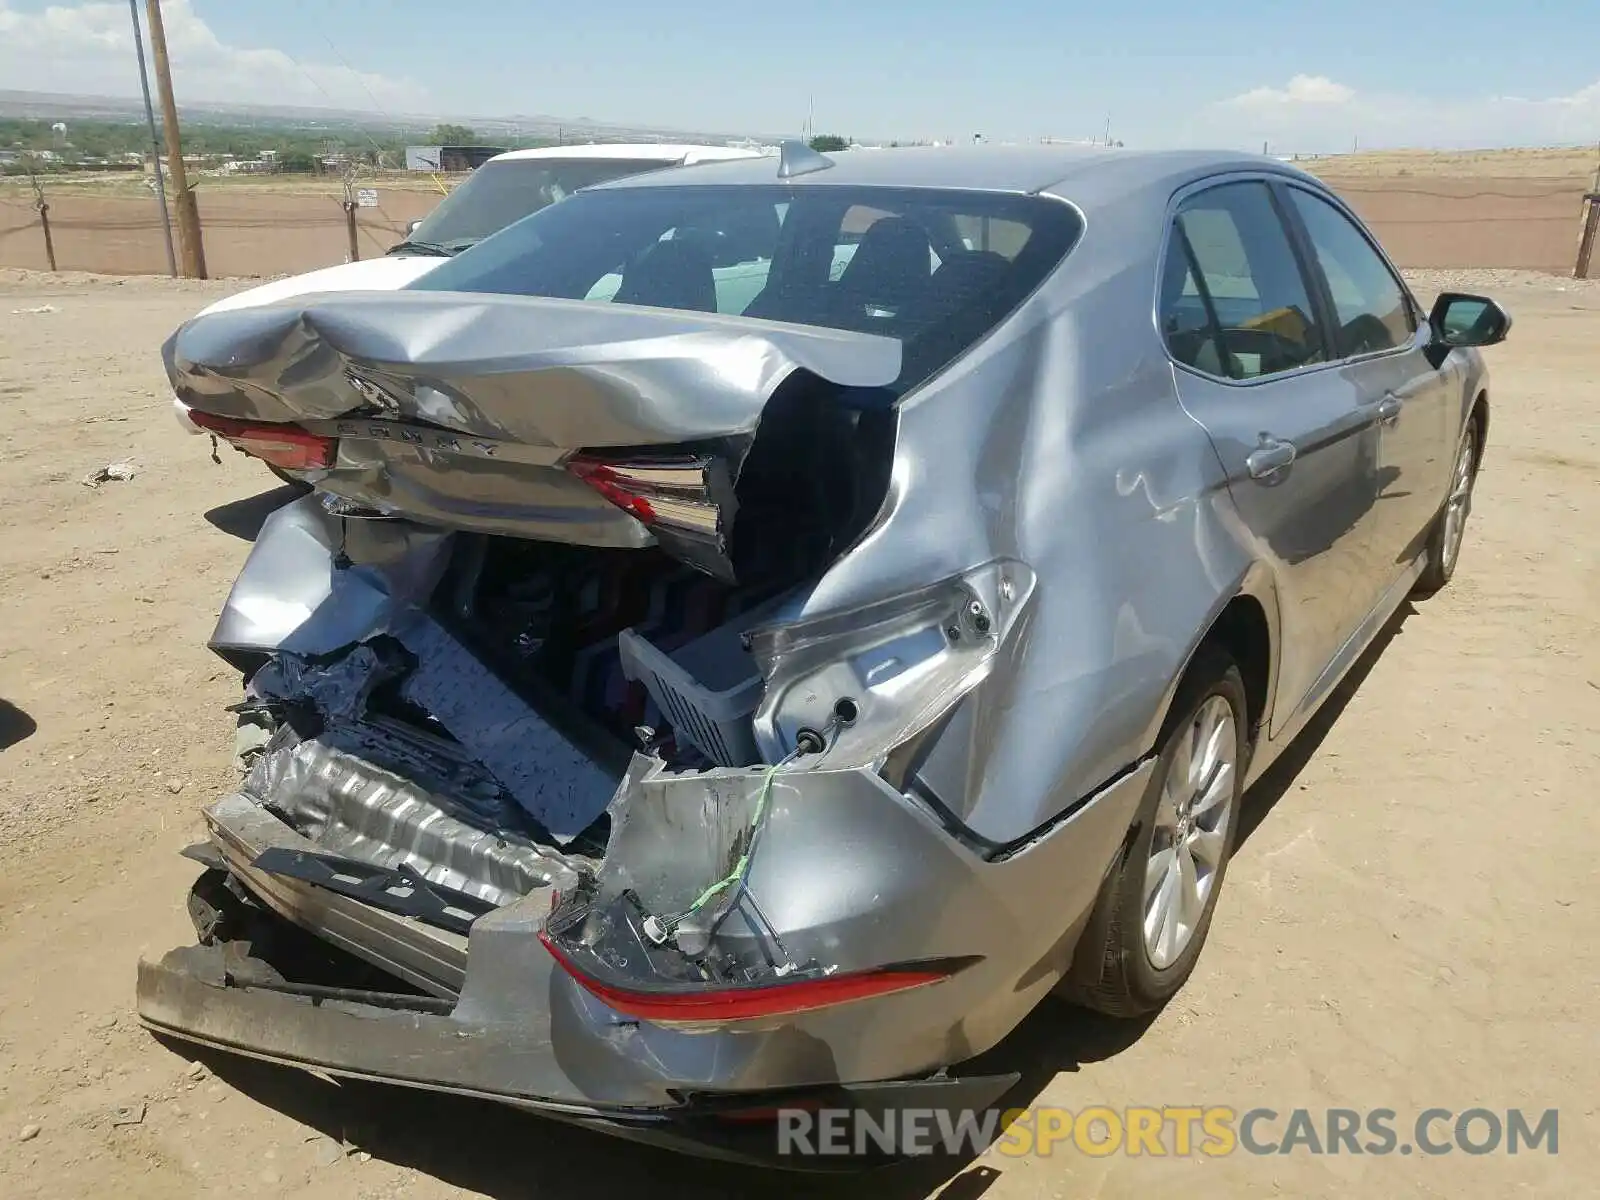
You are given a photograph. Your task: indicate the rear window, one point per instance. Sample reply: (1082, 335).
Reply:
(936, 270)
(498, 193)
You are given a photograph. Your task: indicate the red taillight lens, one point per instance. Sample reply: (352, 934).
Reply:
(679, 493)
(711, 1005)
(286, 446)
(603, 478)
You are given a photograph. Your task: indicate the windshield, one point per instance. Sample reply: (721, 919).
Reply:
(498, 193)
(935, 269)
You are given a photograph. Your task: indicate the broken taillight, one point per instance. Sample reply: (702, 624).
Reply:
(686, 500)
(710, 1004)
(282, 445)
(679, 493)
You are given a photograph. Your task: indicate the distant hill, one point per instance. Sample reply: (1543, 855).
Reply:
(60, 107)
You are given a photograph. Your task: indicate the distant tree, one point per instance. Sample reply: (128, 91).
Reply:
(297, 160)
(825, 143)
(455, 135)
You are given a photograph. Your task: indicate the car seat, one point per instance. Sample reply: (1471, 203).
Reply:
(671, 274)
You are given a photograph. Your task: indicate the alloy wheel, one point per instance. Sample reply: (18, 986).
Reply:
(1459, 504)
(1191, 831)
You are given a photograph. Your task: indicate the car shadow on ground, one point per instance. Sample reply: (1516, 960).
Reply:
(243, 518)
(15, 725)
(504, 1153)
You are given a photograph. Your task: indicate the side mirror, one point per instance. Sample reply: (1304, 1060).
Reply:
(1459, 319)
(413, 226)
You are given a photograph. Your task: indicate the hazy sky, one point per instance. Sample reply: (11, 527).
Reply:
(1305, 77)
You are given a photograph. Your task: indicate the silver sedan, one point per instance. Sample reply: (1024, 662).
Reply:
(759, 629)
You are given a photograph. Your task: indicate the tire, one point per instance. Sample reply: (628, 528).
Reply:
(1444, 540)
(1135, 977)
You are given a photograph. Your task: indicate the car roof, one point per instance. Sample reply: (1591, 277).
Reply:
(665, 152)
(1076, 173)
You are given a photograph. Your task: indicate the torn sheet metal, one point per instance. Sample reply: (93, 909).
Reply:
(670, 841)
(315, 583)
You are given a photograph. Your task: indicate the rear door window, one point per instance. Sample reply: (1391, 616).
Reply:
(1234, 300)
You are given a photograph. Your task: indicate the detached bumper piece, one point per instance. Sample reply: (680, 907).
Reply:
(341, 1021)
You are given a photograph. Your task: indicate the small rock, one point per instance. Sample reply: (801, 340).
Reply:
(197, 1070)
(106, 1022)
(325, 1151)
(363, 1157)
(216, 1091)
(128, 1114)
(175, 786)
(111, 471)
(29, 1132)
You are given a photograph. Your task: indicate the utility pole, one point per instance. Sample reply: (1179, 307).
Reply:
(194, 254)
(155, 141)
(349, 173)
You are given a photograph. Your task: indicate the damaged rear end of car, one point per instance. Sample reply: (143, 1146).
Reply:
(526, 670)
(566, 779)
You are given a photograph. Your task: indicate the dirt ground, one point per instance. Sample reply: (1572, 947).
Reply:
(1408, 924)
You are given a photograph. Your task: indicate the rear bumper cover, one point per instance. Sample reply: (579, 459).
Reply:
(191, 995)
(504, 1022)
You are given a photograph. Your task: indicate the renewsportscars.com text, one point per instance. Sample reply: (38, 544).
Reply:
(1171, 1131)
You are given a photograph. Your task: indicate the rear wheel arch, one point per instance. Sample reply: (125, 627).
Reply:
(1243, 631)
(1244, 628)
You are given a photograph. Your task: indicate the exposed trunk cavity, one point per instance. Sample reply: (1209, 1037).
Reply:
(546, 531)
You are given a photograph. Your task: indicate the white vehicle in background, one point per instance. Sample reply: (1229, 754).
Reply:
(503, 190)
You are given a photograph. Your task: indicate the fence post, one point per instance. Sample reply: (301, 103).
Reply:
(1591, 226)
(49, 242)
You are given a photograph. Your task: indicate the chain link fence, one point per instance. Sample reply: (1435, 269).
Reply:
(247, 231)
(1437, 222)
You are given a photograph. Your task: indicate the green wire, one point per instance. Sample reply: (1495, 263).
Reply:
(740, 867)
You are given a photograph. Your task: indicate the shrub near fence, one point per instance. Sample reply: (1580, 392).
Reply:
(1424, 222)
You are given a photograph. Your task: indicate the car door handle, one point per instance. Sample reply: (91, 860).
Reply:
(1270, 457)
(1389, 410)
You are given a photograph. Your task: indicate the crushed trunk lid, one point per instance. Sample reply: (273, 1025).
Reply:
(559, 420)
